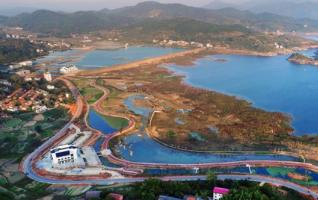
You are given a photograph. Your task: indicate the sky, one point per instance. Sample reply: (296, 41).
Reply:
(72, 5)
(75, 5)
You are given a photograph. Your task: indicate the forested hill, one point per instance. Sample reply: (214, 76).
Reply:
(12, 50)
(59, 23)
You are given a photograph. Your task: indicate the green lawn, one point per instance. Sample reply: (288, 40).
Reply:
(91, 94)
(116, 122)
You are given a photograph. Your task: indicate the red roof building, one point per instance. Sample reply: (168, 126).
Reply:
(219, 192)
(116, 196)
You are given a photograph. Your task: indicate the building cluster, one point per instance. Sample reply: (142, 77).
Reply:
(30, 100)
(27, 63)
(182, 43)
(58, 45)
(22, 100)
(27, 75)
(278, 46)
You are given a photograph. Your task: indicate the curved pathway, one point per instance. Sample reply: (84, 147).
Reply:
(29, 162)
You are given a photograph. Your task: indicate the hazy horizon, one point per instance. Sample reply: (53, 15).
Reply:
(77, 5)
(74, 5)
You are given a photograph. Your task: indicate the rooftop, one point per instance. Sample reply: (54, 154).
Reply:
(220, 190)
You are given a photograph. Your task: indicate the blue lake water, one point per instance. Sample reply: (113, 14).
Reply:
(100, 58)
(139, 147)
(270, 83)
(97, 122)
(144, 149)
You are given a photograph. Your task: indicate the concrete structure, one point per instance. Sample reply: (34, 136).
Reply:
(50, 87)
(64, 156)
(27, 63)
(47, 76)
(40, 109)
(219, 192)
(68, 69)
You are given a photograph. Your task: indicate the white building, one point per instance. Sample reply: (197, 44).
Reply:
(68, 69)
(219, 192)
(27, 63)
(50, 87)
(47, 76)
(40, 109)
(65, 156)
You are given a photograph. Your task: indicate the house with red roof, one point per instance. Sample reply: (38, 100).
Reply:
(115, 196)
(219, 192)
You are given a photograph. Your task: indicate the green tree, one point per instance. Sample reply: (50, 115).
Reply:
(245, 194)
(211, 177)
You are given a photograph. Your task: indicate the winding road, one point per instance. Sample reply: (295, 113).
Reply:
(28, 164)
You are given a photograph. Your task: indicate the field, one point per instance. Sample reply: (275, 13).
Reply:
(90, 93)
(20, 134)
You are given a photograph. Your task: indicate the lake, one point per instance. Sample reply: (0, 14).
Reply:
(100, 58)
(139, 147)
(270, 83)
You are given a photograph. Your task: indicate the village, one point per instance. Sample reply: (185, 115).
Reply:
(30, 90)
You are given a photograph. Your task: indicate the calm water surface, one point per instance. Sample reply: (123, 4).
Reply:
(271, 83)
(100, 58)
(139, 147)
(97, 122)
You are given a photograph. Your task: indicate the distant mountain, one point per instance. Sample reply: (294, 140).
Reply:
(219, 4)
(181, 29)
(3, 19)
(60, 23)
(262, 21)
(16, 11)
(292, 8)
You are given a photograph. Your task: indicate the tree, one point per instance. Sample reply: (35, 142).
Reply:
(38, 129)
(245, 194)
(211, 177)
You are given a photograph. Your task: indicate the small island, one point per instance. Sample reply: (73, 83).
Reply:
(301, 59)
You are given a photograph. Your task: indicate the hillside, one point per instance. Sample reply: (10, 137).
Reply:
(233, 36)
(12, 50)
(263, 21)
(58, 23)
(299, 9)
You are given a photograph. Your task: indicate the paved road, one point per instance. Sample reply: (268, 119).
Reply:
(28, 169)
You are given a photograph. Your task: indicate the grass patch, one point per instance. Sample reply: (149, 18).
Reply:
(116, 122)
(91, 94)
